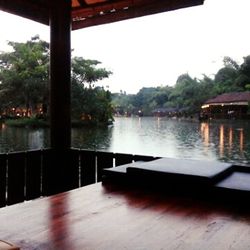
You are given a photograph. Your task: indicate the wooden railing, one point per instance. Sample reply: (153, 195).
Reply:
(33, 174)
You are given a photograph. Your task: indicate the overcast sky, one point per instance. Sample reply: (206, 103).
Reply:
(154, 50)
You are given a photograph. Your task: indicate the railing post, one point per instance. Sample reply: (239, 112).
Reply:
(33, 174)
(88, 167)
(60, 171)
(3, 183)
(104, 160)
(16, 177)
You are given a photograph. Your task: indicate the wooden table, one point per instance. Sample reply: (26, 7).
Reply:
(111, 217)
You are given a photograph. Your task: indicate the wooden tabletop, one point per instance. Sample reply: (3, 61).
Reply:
(111, 217)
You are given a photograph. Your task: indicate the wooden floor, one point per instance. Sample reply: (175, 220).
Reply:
(110, 217)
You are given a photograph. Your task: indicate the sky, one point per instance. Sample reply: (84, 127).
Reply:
(154, 50)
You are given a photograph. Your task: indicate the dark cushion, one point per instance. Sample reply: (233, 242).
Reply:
(186, 170)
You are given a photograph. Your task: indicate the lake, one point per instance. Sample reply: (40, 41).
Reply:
(215, 140)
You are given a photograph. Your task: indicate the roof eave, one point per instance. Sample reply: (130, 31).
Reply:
(27, 9)
(87, 16)
(81, 20)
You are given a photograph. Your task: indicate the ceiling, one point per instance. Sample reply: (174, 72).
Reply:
(86, 13)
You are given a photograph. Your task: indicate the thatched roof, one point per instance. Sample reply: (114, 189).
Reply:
(230, 98)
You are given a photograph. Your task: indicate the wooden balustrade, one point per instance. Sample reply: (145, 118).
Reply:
(31, 174)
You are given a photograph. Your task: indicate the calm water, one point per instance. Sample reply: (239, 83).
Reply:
(224, 141)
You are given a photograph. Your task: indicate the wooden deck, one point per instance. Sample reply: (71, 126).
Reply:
(106, 216)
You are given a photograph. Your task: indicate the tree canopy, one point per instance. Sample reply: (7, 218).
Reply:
(188, 93)
(24, 74)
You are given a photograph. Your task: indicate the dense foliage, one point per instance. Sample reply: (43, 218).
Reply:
(24, 87)
(24, 75)
(188, 94)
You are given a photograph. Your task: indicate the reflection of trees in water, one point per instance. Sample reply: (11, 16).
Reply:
(226, 141)
(20, 139)
(97, 138)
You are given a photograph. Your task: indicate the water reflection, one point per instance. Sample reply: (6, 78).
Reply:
(221, 141)
(18, 139)
(233, 140)
(205, 133)
(91, 138)
(224, 141)
(230, 140)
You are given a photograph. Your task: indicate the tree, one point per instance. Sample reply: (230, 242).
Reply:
(86, 71)
(184, 93)
(225, 80)
(243, 80)
(144, 100)
(89, 102)
(24, 74)
(24, 81)
(230, 63)
(123, 103)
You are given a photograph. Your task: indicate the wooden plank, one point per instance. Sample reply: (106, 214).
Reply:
(104, 160)
(134, 219)
(88, 167)
(121, 159)
(33, 174)
(15, 177)
(3, 179)
(60, 171)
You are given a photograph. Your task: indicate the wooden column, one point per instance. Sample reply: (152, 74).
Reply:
(60, 78)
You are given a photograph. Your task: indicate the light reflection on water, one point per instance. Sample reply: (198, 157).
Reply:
(216, 140)
(224, 141)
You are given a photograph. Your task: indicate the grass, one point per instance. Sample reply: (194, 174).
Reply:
(32, 122)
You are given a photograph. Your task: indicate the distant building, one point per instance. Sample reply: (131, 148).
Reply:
(171, 112)
(227, 106)
(161, 112)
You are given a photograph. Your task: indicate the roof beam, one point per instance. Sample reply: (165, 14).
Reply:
(122, 10)
(37, 11)
(94, 12)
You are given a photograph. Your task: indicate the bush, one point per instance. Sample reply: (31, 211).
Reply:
(27, 122)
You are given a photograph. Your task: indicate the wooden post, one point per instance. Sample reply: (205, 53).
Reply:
(60, 74)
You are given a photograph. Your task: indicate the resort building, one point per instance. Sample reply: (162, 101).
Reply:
(233, 105)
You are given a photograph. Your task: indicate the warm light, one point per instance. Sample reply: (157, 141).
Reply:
(241, 141)
(230, 139)
(205, 106)
(221, 142)
(158, 122)
(205, 133)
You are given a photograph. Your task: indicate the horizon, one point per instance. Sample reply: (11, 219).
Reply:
(153, 51)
